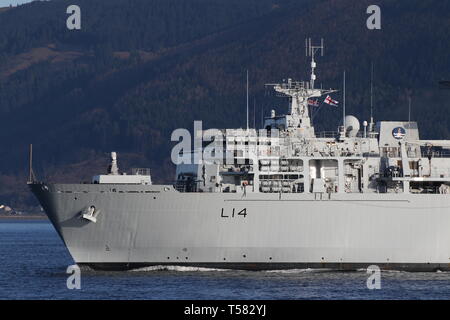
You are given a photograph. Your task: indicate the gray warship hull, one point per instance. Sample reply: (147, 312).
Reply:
(145, 225)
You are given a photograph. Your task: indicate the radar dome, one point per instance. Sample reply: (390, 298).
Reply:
(351, 126)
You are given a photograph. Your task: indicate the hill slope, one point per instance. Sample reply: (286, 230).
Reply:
(140, 69)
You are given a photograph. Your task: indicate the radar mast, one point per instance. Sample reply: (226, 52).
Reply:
(299, 92)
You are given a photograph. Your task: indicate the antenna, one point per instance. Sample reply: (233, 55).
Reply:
(310, 52)
(254, 113)
(371, 100)
(409, 110)
(247, 99)
(262, 116)
(343, 109)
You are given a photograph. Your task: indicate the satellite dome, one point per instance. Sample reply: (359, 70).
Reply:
(351, 126)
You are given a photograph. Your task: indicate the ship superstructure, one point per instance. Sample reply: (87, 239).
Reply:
(287, 156)
(277, 197)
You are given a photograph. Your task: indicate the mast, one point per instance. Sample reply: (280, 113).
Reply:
(31, 177)
(262, 116)
(299, 92)
(247, 99)
(409, 115)
(409, 110)
(343, 105)
(310, 52)
(371, 100)
(254, 113)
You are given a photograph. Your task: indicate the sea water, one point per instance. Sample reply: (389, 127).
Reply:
(34, 261)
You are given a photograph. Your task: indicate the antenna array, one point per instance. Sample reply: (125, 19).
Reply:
(310, 52)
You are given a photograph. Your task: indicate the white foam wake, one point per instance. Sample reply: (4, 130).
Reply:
(300, 270)
(176, 268)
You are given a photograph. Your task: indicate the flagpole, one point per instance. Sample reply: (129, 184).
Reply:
(409, 110)
(247, 99)
(262, 116)
(254, 113)
(371, 99)
(343, 109)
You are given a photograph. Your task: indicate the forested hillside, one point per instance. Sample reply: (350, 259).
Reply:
(138, 69)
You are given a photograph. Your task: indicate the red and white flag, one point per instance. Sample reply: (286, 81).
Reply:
(313, 102)
(330, 101)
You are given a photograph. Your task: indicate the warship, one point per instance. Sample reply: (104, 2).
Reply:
(280, 197)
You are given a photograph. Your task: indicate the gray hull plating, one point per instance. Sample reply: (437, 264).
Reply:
(141, 225)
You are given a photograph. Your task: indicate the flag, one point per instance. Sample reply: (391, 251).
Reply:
(330, 101)
(313, 102)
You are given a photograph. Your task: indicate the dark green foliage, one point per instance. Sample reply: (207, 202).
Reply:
(138, 69)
